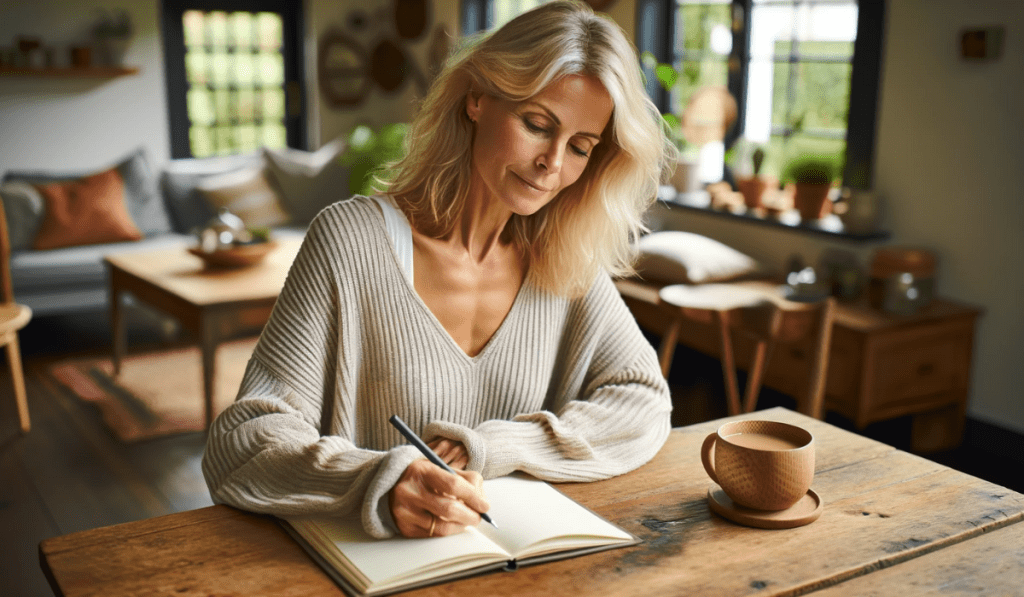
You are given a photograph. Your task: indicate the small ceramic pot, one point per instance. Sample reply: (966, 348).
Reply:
(753, 189)
(812, 200)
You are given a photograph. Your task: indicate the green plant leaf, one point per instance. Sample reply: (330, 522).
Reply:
(667, 76)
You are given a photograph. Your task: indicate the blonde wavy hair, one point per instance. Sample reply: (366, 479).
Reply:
(590, 225)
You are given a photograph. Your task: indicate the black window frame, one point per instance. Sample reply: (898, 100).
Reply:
(177, 82)
(865, 77)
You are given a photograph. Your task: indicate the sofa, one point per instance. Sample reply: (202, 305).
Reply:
(57, 246)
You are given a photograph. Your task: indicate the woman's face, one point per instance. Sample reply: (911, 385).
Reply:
(525, 153)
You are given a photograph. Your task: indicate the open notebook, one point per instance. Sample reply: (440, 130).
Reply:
(537, 524)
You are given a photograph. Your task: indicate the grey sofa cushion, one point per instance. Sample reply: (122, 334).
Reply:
(186, 205)
(142, 195)
(32, 271)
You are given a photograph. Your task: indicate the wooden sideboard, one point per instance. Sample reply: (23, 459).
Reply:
(881, 366)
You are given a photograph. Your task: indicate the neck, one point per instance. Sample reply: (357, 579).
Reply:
(479, 229)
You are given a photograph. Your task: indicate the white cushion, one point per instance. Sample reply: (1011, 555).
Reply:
(248, 194)
(309, 181)
(678, 257)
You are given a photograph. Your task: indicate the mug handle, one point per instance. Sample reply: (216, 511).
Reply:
(705, 455)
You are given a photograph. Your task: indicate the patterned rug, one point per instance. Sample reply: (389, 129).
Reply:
(157, 393)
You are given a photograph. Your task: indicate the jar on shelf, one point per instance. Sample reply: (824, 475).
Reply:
(902, 279)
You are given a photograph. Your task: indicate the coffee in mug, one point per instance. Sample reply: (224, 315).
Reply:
(765, 465)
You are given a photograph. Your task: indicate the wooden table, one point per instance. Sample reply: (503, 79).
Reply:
(892, 522)
(209, 302)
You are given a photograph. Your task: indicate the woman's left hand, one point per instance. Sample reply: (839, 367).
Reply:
(450, 451)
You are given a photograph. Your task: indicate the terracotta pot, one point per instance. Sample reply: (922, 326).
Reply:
(811, 200)
(753, 189)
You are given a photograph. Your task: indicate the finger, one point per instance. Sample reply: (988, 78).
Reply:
(412, 522)
(446, 449)
(451, 510)
(444, 528)
(464, 485)
(459, 462)
(474, 479)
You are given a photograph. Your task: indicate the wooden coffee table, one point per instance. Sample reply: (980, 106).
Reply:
(210, 302)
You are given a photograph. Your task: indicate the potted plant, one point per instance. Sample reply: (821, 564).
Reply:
(686, 176)
(112, 32)
(812, 176)
(754, 186)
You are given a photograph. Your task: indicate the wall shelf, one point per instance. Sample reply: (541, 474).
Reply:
(92, 72)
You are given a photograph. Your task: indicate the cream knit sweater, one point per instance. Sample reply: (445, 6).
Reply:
(565, 390)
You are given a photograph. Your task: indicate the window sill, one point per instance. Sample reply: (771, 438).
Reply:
(830, 226)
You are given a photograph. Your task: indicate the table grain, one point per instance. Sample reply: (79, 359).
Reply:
(887, 516)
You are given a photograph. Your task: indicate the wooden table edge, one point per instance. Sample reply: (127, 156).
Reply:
(909, 555)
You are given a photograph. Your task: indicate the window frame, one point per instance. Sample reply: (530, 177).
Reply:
(865, 75)
(177, 81)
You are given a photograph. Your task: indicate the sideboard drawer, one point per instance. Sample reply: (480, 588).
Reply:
(914, 370)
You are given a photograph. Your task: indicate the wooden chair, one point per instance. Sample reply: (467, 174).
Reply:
(768, 319)
(13, 317)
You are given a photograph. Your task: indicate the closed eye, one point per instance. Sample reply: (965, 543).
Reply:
(536, 128)
(580, 151)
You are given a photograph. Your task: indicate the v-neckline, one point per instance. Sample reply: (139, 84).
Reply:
(429, 314)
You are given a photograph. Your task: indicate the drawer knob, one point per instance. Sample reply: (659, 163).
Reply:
(926, 369)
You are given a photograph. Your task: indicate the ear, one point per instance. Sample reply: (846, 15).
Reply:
(473, 104)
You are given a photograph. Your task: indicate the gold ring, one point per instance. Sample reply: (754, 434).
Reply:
(433, 521)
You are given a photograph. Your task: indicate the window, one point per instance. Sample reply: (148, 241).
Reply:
(233, 76)
(804, 72)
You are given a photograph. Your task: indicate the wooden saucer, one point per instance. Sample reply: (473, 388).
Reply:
(805, 511)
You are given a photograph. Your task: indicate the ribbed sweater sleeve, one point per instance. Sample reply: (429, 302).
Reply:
(566, 390)
(265, 453)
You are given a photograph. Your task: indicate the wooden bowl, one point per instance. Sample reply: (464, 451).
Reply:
(236, 256)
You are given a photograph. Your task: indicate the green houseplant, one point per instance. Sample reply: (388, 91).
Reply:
(368, 152)
(812, 176)
(754, 186)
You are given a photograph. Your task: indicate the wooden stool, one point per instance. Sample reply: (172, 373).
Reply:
(765, 316)
(13, 317)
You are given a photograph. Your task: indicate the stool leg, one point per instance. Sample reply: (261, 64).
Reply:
(754, 376)
(17, 376)
(732, 392)
(667, 348)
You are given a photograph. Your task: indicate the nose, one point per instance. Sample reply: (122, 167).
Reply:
(551, 160)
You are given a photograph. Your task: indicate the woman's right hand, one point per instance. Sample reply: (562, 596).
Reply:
(427, 495)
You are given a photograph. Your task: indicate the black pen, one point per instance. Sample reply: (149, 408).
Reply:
(422, 447)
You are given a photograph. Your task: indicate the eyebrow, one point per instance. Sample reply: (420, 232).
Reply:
(559, 122)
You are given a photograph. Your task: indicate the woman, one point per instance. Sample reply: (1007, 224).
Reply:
(473, 299)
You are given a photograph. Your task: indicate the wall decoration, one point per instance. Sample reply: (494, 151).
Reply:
(348, 70)
(411, 18)
(342, 70)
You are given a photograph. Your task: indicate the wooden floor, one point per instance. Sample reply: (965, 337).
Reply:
(69, 473)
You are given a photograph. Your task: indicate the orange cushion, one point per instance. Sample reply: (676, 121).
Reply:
(86, 211)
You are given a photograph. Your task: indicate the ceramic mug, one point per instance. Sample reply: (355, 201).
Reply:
(765, 465)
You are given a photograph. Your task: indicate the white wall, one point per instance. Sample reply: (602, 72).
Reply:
(949, 161)
(66, 123)
(949, 153)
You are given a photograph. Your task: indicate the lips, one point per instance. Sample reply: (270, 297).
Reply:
(532, 185)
